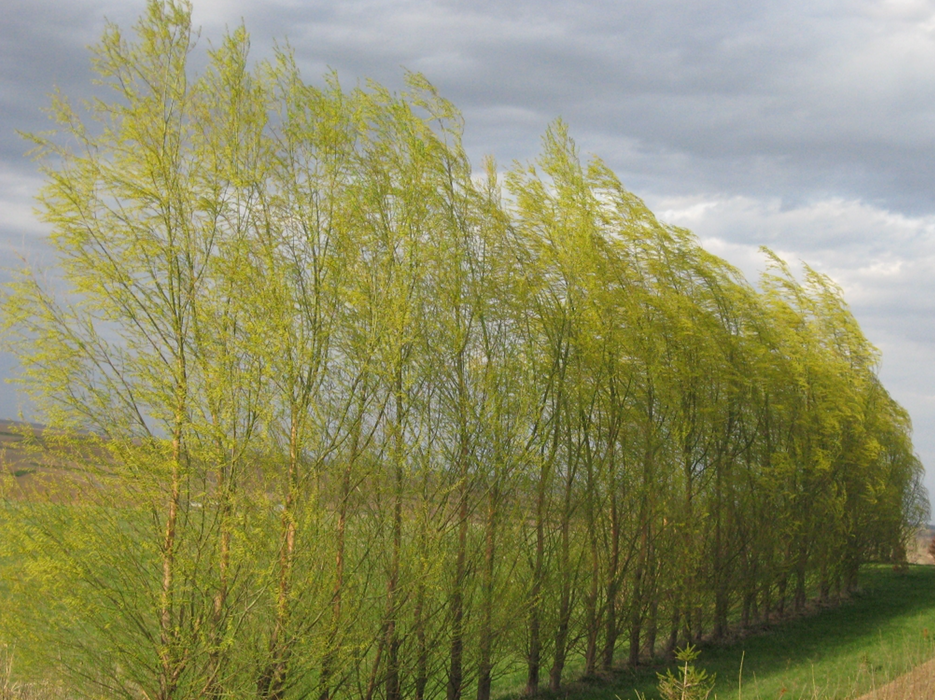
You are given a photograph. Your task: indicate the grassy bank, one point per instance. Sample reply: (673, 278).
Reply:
(834, 654)
(837, 653)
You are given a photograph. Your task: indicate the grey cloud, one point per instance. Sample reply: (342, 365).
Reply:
(808, 126)
(759, 97)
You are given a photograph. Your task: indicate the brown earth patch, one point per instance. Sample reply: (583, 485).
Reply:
(918, 684)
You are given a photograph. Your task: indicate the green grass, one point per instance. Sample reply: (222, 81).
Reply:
(838, 653)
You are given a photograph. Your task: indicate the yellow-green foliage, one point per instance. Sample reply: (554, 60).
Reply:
(327, 415)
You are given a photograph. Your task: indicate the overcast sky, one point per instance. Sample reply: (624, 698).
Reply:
(806, 126)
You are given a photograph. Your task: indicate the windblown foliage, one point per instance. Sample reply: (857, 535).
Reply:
(331, 417)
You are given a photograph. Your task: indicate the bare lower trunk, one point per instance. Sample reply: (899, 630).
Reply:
(485, 663)
(393, 685)
(170, 664)
(392, 593)
(272, 680)
(673, 640)
(799, 595)
(422, 648)
(561, 642)
(168, 657)
(649, 642)
(535, 643)
(636, 604)
(375, 668)
(455, 672)
(592, 622)
(636, 622)
(721, 607)
(329, 661)
(767, 597)
(747, 609)
(564, 610)
(535, 594)
(211, 688)
(636, 618)
(271, 685)
(781, 594)
(824, 586)
(610, 621)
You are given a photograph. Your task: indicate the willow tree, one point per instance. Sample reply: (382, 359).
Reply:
(142, 354)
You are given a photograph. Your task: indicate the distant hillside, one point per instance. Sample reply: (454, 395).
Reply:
(13, 457)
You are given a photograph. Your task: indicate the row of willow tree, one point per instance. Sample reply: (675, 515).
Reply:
(332, 416)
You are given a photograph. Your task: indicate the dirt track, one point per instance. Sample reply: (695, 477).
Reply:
(918, 684)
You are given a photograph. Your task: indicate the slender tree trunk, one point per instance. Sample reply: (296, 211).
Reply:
(392, 592)
(534, 660)
(419, 613)
(852, 567)
(393, 686)
(329, 660)
(422, 648)
(564, 610)
(748, 597)
(642, 560)
(592, 621)
(767, 599)
(649, 642)
(799, 596)
(271, 684)
(211, 688)
(748, 613)
(535, 593)
(755, 606)
(698, 627)
(673, 640)
(170, 668)
(721, 608)
(721, 574)
(375, 668)
(485, 662)
(455, 670)
(613, 574)
(636, 603)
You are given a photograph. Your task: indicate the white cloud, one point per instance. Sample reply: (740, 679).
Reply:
(21, 228)
(883, 260)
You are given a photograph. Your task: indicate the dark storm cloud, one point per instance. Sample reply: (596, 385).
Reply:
(797, 97)
(835, 98)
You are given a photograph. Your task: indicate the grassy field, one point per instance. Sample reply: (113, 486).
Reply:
(834, 654)
(838, 653)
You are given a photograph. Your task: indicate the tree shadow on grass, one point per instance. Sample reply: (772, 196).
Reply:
(827, 650)
(890, 617)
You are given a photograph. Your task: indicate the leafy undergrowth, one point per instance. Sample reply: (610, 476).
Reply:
(836, 654)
